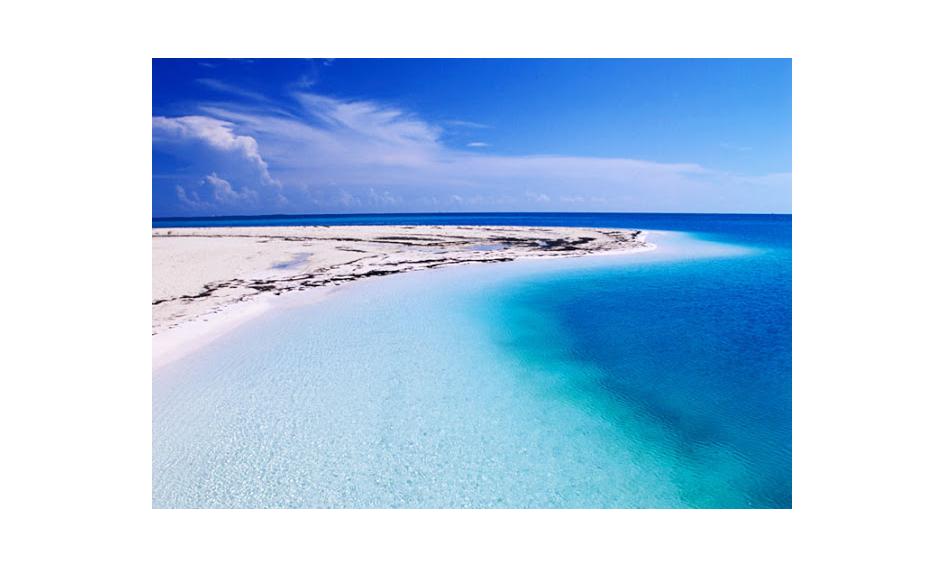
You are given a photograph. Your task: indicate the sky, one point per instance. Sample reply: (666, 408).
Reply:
(295, 136)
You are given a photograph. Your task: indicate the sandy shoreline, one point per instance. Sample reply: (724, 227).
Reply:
(208, 281)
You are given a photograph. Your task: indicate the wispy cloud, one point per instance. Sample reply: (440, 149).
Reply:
(304, 82)
(317, 152)
(465, 124)
(227, 88)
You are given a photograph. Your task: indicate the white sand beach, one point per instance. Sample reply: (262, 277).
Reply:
(206, 281)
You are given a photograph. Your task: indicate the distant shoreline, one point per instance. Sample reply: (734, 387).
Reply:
(417, 218)
(207, 281)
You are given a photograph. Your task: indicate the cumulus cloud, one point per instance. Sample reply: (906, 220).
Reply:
(216, 158)
(214, 192)
(189, 200)
(223, 192)
(217, 136)
(332, 154)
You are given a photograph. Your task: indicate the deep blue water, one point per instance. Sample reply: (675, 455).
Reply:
(660, 379)
(766, 229)
(700, 346)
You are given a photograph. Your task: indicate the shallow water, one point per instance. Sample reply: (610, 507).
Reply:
(486, 247)
(659, 379)
(297, 261)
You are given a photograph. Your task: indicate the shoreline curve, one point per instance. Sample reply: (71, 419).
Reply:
(208, 281)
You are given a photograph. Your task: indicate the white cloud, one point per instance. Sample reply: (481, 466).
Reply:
(214, 192)
(370, 122)
(221, 86)
(223, 192)
(334, 153)
(465, 124)
(216, 135)
(189, 201)
(537, 197)
(382, 198)
(304, 82)
(224, 170)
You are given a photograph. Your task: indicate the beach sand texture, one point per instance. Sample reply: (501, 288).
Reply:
(221, 274)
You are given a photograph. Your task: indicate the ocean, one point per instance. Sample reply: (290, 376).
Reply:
(655, 380)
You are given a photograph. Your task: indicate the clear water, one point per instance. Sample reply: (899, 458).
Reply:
(486, 247)
(297, 261)
(659, 379)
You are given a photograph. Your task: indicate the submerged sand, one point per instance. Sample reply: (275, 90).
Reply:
(207, 279)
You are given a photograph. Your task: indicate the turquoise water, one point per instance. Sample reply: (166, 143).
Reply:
(660, 379)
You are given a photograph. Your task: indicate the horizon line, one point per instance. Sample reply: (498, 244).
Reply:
(278, 215)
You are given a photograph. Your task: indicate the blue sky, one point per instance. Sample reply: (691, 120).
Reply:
(392, 135)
